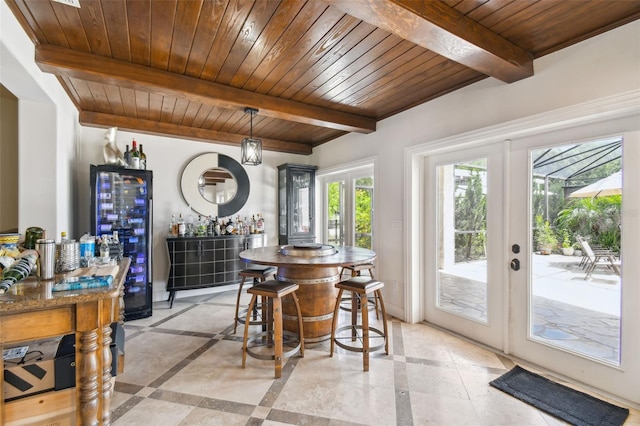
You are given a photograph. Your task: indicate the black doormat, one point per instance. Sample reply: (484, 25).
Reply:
(560, 401)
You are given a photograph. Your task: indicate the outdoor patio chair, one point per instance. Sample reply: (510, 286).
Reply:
(600, 257)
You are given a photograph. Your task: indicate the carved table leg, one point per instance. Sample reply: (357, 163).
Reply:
(107, 385)
(87, 370)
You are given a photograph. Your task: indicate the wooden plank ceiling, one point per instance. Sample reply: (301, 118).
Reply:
(314, 69)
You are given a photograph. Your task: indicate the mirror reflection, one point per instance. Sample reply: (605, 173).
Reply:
(217, 185)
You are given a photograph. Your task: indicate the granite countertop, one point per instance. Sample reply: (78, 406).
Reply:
(32, 294)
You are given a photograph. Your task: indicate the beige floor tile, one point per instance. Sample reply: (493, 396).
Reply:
(441, 410)
(150, 355)
(154, 412)
(218, 373)
(205, 417)
(434, 380)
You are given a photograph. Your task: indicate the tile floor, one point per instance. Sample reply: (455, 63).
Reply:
(183, 367)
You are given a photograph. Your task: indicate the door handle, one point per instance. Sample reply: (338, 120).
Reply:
(515, 264)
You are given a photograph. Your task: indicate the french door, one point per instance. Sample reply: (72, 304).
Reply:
(486, 277)
(348, 208)
(465, 235)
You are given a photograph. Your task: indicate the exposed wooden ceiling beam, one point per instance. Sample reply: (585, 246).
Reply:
(443, 30)
(59, 60)
(157, 128)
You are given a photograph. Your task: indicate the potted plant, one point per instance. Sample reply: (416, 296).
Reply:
(567, 246)
(545, 237)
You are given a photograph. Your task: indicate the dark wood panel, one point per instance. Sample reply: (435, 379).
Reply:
(113, 97)
(117, 28)
(162, 18)
(184, 30)
(269, 51)
(362, 38)
(211, 14)
(387, 44)
(249, 34)
(316, 61)
(155, 106)
(71, 23)
(84, 93)
(43, 14)
(94, 28)
(230, 26)
(139, 26)
(168, 105)
(274, 68)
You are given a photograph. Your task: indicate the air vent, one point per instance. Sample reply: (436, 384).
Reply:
(74, 3)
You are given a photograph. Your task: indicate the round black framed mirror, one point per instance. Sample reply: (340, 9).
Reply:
(215, 185)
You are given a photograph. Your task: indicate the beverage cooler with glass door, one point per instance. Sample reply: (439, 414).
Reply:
(122, 201)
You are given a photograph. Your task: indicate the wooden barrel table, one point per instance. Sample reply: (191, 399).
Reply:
(316, 269)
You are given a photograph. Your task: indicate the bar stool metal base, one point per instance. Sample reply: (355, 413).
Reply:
(273, 291)
(361, 288)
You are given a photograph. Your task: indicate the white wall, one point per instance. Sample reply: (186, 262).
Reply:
(47, 122)
(603, 66)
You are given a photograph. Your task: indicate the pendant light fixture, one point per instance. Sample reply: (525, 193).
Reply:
(251, 148)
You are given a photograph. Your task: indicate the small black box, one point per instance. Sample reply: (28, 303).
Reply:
(65, 360)
(65, 363)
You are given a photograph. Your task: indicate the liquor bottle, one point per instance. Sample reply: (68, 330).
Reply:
(173, 226)
(135, 155)
(252, 225)
(127, 157)
(104, 249)
(210, 229)
(182, 228)
(216, 227)
(143, 159)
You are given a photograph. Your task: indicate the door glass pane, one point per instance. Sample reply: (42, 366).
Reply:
(575, 289)
(462, 224)
(335, 213)
(364, 213)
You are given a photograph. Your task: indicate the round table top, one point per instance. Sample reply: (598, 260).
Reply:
(344, 256)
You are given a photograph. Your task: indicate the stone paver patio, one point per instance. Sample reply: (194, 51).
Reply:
(568, 311)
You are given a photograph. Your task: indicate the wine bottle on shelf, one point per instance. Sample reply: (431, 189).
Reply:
(135, 155)
(127, 157)
(143, 159)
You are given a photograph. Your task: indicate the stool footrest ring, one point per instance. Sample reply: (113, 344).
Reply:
(374, 334)
(270, 357)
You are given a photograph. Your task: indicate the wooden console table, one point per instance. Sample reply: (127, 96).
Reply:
(31, 311)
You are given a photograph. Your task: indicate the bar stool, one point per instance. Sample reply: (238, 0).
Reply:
(356, 271)
(259, 274)
(360, 287)
(272, 292)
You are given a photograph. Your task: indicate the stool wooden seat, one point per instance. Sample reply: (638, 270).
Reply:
(356, 271)
(360, 287)
(272, 292)
(259, 274)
